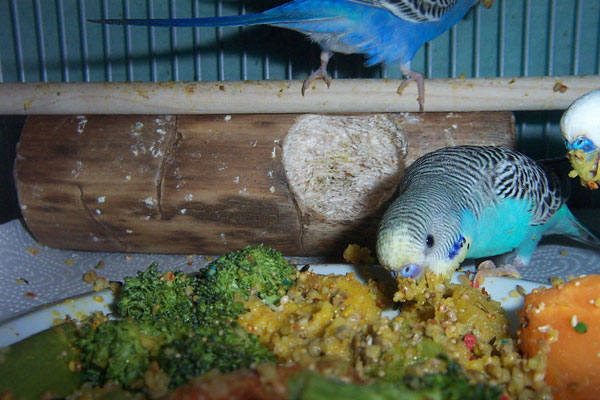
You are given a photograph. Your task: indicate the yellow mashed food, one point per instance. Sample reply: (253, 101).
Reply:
(337, 321)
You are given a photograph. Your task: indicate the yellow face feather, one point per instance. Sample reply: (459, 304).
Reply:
(397, 248)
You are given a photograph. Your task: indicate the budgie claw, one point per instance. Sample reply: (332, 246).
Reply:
(488, 268)
(320, 72)
(418, 78)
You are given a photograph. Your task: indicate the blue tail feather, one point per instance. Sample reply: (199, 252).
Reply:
(273, 16)
(566, 224)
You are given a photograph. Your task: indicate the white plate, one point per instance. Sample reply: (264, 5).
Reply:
(23, 326)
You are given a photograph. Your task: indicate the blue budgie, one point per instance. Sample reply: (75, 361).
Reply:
(385, 31)
(472, 202)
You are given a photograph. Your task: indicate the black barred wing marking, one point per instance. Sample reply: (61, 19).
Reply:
(473, 177)
(414, 10)
(517, 176)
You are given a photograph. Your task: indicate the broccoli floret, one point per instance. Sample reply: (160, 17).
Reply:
(185, 323)
(226, 349)
(121, 350)
(156, 295)
(233, 277)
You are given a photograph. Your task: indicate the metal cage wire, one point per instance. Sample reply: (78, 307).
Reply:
(52, 41)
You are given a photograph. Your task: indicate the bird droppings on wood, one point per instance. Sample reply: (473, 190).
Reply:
(82, 121)
(409, 118)
(448, 135)
(343, 167)
(453, 115)
(150, 202)
(77, 170)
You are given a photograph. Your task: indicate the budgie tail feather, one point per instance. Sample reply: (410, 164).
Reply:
(272, 16)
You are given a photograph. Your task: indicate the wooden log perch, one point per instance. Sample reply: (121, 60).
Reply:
(272, 96)
(208, 184)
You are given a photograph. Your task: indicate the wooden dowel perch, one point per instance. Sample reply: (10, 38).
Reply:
(344, 96)
(208, 184)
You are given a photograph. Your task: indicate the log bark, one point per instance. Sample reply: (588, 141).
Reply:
(304, 184)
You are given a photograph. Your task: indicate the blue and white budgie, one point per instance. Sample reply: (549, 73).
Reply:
(472, 202)
(386, 31)
(580, 126)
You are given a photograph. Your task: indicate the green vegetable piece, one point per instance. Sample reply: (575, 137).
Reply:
(452, 385)
(226, 349)
(122, 350)
(185, 323)
(156, 295)
(397, 363)
(581, 327)
(311, 386)
(40, 363)
(230, 279)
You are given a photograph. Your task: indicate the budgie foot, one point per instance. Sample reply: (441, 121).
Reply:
(321, 72)
(488, 269)
(417, 77)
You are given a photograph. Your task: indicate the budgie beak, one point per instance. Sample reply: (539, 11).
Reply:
(585, 159)
(408, 271)
(411, 271)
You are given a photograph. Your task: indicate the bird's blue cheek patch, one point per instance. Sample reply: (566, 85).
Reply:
(456, 247)
(581, 143)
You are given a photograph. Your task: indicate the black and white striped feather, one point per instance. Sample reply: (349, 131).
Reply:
(473, 177)
(414, 10)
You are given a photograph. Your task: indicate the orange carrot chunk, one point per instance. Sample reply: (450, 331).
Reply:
(565, 320)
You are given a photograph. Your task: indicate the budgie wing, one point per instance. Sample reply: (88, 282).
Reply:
(413, 10)
(519, 177)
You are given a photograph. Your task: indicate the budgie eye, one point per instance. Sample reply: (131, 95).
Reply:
(429, 241)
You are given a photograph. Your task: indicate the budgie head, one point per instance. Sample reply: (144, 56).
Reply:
(418, 233)
(580, 126)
